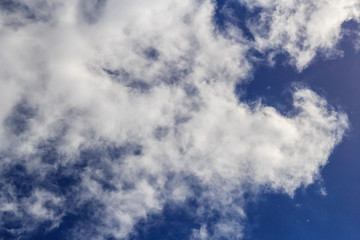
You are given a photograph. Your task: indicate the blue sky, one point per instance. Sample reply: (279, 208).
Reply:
(309, 215)
(231, 119)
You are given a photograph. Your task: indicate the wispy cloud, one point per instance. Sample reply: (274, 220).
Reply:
(301, 29)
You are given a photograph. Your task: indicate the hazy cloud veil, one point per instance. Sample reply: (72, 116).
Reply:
(124, 106)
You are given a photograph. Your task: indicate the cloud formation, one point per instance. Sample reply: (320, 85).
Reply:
(301, 28)
(116, 108)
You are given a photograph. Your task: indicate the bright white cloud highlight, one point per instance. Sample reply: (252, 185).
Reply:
(301, 28)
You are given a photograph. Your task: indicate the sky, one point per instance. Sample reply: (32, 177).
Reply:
(179, 119)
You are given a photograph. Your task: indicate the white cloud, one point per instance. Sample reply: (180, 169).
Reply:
(133, 102)
(301, 28)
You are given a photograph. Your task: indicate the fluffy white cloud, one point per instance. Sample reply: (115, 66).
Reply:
(301, 28)
(125, 105)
